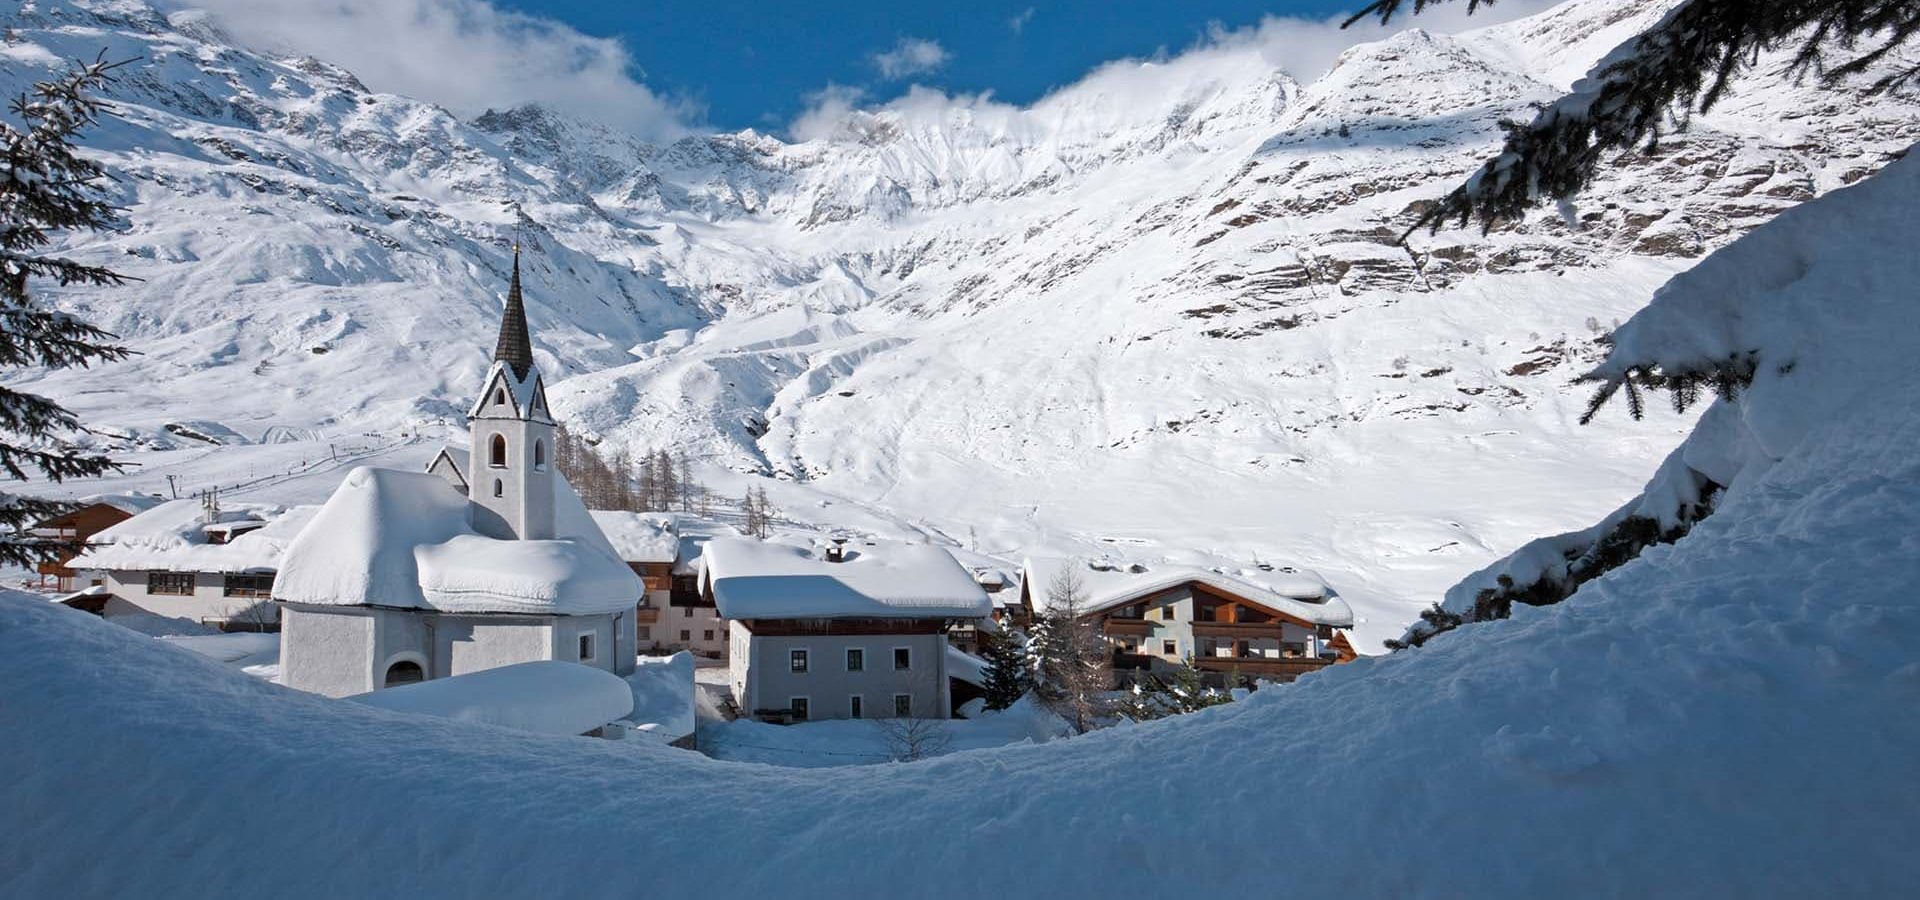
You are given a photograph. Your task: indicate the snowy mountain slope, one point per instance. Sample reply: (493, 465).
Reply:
(1160, 310)
(1721, 717)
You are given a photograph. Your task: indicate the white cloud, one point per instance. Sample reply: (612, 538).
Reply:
(829, 113)
(1115, 94)
(910, 56)
(1018, 23)
(467, 55)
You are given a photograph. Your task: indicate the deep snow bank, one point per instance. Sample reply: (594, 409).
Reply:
(1731, 715)
(1727, 716)
(1820, 305)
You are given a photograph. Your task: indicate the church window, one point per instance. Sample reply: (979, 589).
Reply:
(499, 396)
(497, 455)
(539, 456)
(499, 488)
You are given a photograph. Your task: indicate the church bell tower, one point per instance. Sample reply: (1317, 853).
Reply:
(510, 473)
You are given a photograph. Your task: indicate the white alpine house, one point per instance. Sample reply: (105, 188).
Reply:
(850, 632)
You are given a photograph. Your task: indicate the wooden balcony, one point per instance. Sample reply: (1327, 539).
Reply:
(1241, 630)
(646, 615)
(1140, 627)
(1273, 668)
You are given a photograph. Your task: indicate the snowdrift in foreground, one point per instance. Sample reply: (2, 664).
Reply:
(1730, 715)
(1820, 303)
(545, 696)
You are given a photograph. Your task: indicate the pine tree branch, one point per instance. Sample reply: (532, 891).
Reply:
(1685, 62)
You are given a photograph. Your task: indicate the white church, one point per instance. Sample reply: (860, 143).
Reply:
(405, 576)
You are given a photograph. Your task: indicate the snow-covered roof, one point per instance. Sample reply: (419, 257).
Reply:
(1105, 585)
(754, 579)
(640, 537)
(966, 666)
(173, 537)
(546, 697)
(405, 539)
(131, 504)
(523, 393)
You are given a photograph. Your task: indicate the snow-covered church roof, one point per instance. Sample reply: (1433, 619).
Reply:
(881, 579)
(1104, 585)
(406, 539)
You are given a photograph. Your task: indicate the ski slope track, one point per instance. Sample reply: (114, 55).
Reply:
(1160, 312)
(1725, 716)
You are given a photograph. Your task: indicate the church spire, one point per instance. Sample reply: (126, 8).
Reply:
(515, 348)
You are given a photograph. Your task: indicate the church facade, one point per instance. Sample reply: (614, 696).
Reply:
(405, 576)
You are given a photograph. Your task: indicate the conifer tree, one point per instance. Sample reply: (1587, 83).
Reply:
(648, 482)
(1074, 668)
(751, 512)
(763, 513)
(1006, 674)
(666, 481)
(687, 486)
(1685, 62)
(47, 187)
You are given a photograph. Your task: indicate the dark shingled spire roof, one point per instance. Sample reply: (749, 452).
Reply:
(515, 348)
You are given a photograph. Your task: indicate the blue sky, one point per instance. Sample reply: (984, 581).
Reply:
(663, 69)
(754, 63)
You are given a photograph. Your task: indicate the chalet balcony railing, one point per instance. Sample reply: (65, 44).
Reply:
(1284, 666)
(1239, 629)
(646, 615)
(1129, 626)
(1125, 660)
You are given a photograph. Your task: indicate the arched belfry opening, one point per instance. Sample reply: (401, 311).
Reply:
(405, 671)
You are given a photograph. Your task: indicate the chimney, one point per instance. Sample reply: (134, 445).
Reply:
(837, 552)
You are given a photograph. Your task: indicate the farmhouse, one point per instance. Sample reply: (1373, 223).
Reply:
(848, 631)
(404, 576)
(193, 559)
(1275, 625)
(674, 616)
(76, 527)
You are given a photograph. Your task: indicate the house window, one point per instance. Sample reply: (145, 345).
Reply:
(1169, 648)
(902, 658)
(645, 632)
(707, 635)
(499, 489)
(797, 660)
(586, 648)
(1166, 612)
(798, 706)
(853, 706)
(686, 611)
(539, 456)
(405, 671)
(497, 452)
(685, 635)
(903, 706)
(177, 584)
(856, 661)
(252, 587)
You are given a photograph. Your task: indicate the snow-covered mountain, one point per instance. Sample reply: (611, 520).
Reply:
(1161, 312)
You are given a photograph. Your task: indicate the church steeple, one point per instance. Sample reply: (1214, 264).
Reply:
(510, 473)
(515, 348)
